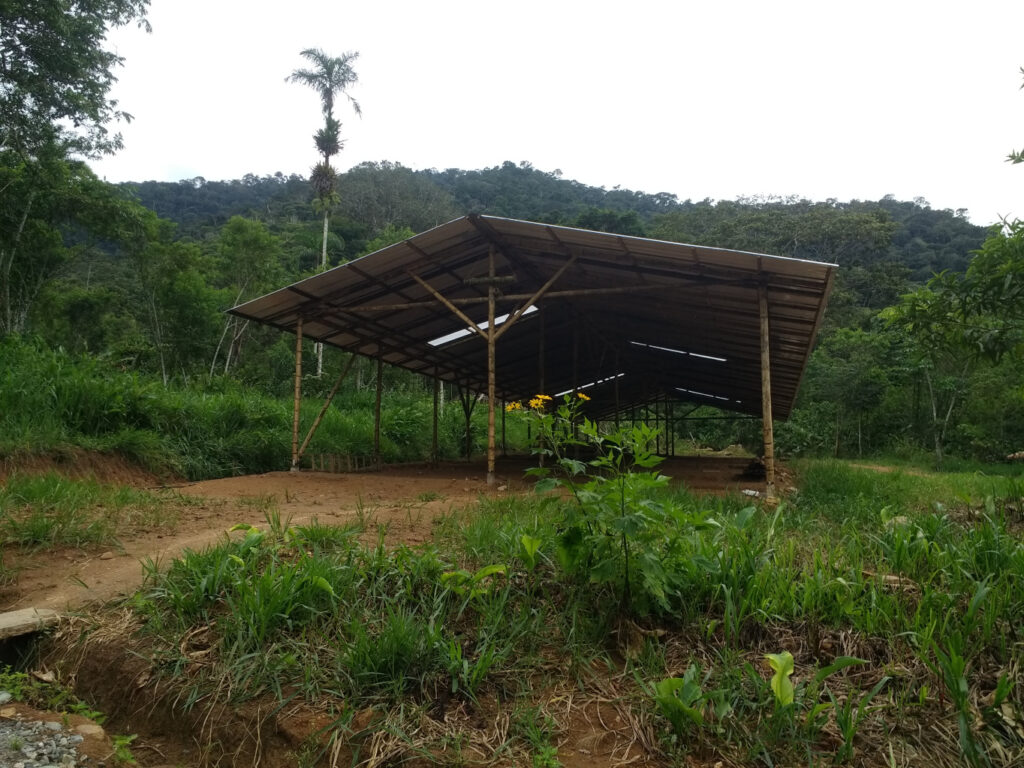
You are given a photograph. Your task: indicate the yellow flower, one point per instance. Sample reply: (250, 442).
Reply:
(537, 403)
(515, 405)
(543, 397)
(582, 397)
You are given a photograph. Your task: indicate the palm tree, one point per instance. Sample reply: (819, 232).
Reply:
(328, 76)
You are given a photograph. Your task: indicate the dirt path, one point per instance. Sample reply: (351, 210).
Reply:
(405, 501)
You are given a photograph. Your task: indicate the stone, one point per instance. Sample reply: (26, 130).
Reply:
(26, 621)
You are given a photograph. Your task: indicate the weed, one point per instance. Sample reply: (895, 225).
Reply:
(45, 695)
(121, 745)
(50, 510)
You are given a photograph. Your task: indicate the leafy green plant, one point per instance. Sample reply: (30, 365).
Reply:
(473, 585)
(680, 700)
(45, 695)
(614, 532)
(122, 751)
(529, 550)
(782, 686)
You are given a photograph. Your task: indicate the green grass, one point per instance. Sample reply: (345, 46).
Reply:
(50, 401)
(50, 510)
(899, 597)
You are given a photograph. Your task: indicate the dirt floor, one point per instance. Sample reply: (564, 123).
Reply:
(405, 499)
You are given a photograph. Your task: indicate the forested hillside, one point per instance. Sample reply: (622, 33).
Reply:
(138, 276)
(132, 280)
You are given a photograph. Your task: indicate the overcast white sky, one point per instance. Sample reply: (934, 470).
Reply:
(701, 99)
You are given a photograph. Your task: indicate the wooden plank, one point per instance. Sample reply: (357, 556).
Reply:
(26, 621)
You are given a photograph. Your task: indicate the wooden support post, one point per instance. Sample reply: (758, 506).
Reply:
(766, 396)
(433, 439)
(490, 367)
(327, 404)
(376, 411)
(298, 396)
(540, 369)
(504, 441)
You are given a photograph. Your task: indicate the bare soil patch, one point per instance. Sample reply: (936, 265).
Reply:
(79, 464)
(403, 501)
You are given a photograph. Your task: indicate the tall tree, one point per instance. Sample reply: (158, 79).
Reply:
(329, 76)
(1017, 157)
(56, 75)
(959, 321)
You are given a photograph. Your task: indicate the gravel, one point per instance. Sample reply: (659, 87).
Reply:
(39, 744)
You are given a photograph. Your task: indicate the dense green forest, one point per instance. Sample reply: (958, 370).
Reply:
(127, 283)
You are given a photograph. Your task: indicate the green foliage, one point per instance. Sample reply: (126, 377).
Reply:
(473, 585)
(782, 686)
(47, 696)
(680, 700)
(927, 593)
(50, 400)
(57, 74)
(614, 532)
(49, 510)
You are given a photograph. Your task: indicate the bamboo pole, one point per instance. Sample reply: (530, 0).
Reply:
(535, 297)
(766, 396)
(327, 404)
(517, 297)
(298, 396)
(540, 371)
(491, 337)
(376, 412)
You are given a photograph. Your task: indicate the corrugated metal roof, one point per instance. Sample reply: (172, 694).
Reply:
(662, 317)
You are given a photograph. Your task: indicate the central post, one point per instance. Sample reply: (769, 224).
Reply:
(491, 279)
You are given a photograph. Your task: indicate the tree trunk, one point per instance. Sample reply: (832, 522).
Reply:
(323, 266)
(860, 445)
(7, 262)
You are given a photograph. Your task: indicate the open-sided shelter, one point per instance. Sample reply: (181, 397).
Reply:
(511, 308)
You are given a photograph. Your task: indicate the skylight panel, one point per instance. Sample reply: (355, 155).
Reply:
(702, 394)
(467, 331)
(590, 384)
(679, 351)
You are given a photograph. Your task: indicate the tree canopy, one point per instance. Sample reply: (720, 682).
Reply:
(57, 74)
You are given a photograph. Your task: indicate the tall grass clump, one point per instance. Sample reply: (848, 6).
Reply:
(50, 401)
(358, 621)
(50, 510)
